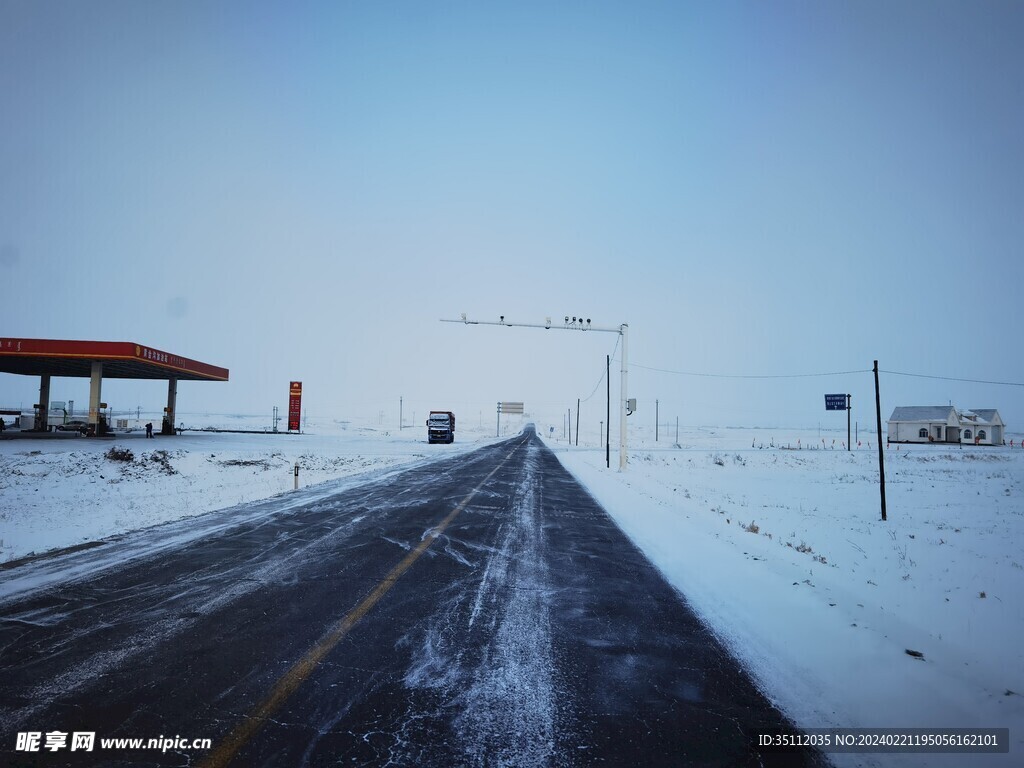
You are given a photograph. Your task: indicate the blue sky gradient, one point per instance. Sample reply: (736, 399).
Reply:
(303, 190)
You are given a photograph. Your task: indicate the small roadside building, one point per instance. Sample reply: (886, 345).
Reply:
(945, 424)
(924, 424)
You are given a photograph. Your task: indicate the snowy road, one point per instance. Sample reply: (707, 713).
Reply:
(482, 610)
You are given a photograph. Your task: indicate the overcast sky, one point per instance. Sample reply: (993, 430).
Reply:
(302, 190)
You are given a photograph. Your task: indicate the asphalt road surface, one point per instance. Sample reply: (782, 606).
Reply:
(482, 610)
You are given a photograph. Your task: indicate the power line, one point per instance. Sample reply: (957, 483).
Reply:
(602, 374)
(951, 378)
(751, 376)
(830, 373)
(595, 389)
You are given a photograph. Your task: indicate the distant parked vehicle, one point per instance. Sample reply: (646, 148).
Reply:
(74, 425)
(441, 427)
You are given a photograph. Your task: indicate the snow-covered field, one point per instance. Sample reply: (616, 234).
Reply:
(784, 554)
(64, 490)
(782, 551)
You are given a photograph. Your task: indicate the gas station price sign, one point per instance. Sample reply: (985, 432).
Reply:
(294, 406)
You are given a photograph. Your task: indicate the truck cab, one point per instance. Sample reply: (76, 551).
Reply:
(441, 427)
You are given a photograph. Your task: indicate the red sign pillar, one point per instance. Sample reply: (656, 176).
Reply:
(294, 406)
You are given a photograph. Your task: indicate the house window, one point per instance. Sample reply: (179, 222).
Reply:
(981, 434)
(967, 434)
(922, 433)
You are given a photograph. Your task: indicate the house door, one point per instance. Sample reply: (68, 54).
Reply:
(952, 434)
(938, 434)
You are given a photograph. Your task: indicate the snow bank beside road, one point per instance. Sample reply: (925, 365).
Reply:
(784, 555)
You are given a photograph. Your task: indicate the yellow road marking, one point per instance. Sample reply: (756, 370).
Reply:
(302, 669)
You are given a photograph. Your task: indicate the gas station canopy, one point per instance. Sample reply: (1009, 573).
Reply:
(121, 360)
(97, 360)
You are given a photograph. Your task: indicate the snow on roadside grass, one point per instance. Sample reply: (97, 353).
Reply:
(64, 490)
(784, 555)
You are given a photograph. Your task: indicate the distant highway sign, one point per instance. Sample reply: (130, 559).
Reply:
(835, 402)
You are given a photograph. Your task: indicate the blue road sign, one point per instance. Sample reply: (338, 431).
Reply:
(835, 402)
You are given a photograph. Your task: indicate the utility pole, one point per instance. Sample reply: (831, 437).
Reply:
(881, 461)
(848, 447)
(600, 433)
(622, 399)
(401, 423)
(579, 324)
(577, 422)
(655, 420)
(607, 437)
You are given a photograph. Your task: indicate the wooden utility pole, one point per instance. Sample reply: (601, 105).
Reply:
(577, 422)
(881, 461)
(848, 447)
(607, 435)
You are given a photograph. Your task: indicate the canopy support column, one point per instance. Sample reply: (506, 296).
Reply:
(172, 401)
(43, 417)
(95, 396)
